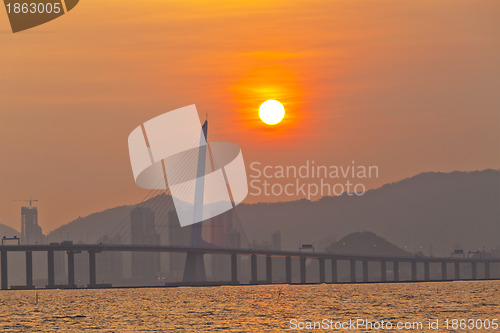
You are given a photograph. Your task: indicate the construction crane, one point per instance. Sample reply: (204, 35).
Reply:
(28, 200)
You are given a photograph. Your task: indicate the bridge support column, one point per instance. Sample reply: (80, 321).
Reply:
(334, 271)
(71, 269)
(486, 269)
(365, 270)
(253, 268)
(92, 270)
(303, 277)
(395, 270)
(321, 270)
(288, 269)
(444, 271)
(50, 269)
(269, 269)
(29, 269)
(427, 275)
(234, 268)
(5, 284)
(457, 271)
(474, 270)
(383, 271)
(353, 270)
(414, 271)
(194, 268)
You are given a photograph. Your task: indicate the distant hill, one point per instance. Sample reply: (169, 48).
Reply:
(366, 243)
(109, 222)
(430, 212)
(8, 231)
(91, 228)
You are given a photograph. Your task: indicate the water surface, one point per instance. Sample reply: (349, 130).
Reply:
(243, 308)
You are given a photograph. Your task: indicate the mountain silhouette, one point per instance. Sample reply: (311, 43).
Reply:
(110, 222)
(8, 231)
(431, 212)
(366, 243)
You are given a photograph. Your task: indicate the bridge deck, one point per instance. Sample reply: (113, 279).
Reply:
(218, 250)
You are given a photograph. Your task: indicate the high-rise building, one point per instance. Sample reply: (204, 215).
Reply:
(145, 265)
(218, 227)
(276, 241)
(31, 232)
(222, 234)
(82, 268)
(234, 239)
(110, 263)
(177, 236)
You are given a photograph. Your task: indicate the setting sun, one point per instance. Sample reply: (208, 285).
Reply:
(271, 112)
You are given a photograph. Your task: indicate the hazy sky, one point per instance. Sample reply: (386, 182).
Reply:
(409, 86)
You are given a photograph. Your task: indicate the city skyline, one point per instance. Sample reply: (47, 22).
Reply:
(22, 208)
(440, 209)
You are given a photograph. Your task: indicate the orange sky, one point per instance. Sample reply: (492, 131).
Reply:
(406, 86)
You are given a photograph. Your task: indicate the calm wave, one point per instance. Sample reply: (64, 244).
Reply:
(243, 308)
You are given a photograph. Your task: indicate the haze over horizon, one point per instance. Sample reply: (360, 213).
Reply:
(431, 211)
(154, 194)
(408, 87)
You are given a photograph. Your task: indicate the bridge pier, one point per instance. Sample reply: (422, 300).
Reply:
(383, 271)
(457, 271)
(269, 269)
(474, 270)
(414, 271)
(444, 271)
(194, 268)
(334, 271)
(353, 270)
(29, 269)
(365, 270)
(426, 271)
(50, 269)
(253, 268)
(194, 260)
(71, 269)
(321, 270)
(5, 284)
(395, 270)
(288, 269)
(234, 268)
(303, 277)
(92, 270)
